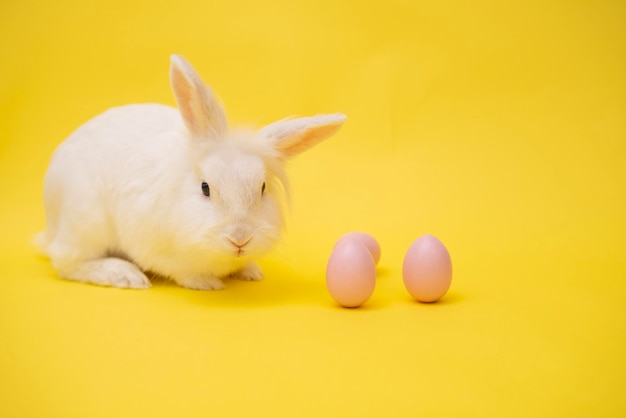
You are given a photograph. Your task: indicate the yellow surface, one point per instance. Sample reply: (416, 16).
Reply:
(499, 127)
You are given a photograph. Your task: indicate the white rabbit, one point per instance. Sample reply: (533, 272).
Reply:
(147, 188)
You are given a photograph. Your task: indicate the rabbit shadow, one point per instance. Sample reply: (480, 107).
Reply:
(281, 286)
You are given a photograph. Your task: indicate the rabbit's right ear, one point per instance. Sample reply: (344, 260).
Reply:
(202, 114)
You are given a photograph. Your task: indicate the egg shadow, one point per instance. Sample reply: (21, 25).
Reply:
(450, 298)
(369, 306)
(382, 272)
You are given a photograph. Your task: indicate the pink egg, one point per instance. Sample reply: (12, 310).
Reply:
(427, 269)
(366, 239)
(350, 273)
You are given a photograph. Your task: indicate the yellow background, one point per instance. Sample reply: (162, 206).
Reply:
(499, 127)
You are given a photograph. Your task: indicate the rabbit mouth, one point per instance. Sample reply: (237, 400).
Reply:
(240, 245)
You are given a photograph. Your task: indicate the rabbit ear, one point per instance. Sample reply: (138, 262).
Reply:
(202, 114)
(293, 136)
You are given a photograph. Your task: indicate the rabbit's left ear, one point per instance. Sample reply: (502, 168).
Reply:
(202, 114)
(292, 136)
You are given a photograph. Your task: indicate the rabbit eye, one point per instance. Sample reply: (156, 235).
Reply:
(205, 189)
(263, 188)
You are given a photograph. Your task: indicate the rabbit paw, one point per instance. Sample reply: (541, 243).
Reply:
(201, 283)
(251, 271)
(109, 272)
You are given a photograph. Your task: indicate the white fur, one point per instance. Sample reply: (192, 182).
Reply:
(123, 193)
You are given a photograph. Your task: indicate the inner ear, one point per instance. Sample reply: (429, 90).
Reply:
(202, 114)
(294, 136)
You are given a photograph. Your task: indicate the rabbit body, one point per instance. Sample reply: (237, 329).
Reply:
(149, 188)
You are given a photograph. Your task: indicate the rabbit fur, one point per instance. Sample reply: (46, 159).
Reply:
(147, 189)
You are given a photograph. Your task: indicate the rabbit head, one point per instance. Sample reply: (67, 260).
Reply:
(240, 173)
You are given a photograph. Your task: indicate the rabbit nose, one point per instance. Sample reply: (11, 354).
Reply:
(239, 242)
